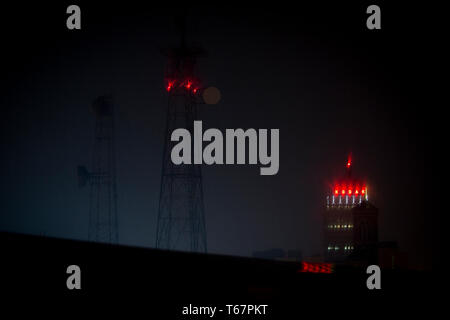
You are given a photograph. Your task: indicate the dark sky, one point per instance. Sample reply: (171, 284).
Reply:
(315, 72)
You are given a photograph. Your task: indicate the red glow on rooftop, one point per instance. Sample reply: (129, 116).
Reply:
(316, 267)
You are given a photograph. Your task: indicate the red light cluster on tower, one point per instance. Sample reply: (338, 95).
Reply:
(189, 85)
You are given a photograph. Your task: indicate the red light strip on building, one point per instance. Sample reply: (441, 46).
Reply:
(317, 267)
(345, 191)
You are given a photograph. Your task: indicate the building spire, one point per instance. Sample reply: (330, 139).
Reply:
(349, 165)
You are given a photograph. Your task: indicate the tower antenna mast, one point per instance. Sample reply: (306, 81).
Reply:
(181, 217)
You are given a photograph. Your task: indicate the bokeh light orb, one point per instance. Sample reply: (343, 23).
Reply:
(211, 95)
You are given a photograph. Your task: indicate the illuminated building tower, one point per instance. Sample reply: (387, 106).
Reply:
(103, 224)
(350, 221)
(181, 219)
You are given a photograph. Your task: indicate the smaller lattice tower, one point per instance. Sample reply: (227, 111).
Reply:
(103, 224)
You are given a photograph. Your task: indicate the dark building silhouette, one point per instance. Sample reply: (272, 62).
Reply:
(109, 269)
(278, 254)
(365, 226)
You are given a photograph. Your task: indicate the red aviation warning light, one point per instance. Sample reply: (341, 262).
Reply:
(170, 85)
(348, 166)
(189, 85)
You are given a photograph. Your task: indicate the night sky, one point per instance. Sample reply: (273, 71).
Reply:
(330, 85)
